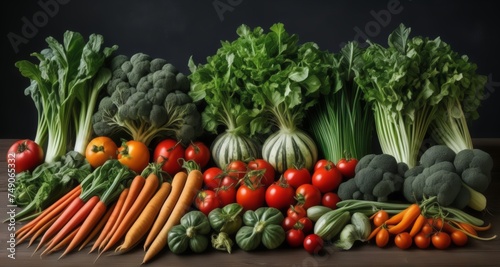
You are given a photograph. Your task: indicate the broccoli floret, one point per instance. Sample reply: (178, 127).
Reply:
(436, 154)
(377, 177)
(147, 99)
(474, 166)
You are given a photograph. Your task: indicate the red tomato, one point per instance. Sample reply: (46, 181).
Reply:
(288, 223)
(269, 173)
(441, 240)
(313, 243)
(280, 195)
(236, 168)
(305, 224)
(330, 200)
(308, 195)
(403, 240)
(296, 212)
(347, 167)
(382, 238)
(134, 154)
(380, 217)
(212, 177)
(327, 179)
(99, 150)
(322, 163)
(295, 237)
(251, 198)
(226, 194)
(198, 152)
(297, 177)
(422, 240)
(24, 155)
(459, 238)
(206, 201)
(168, 152)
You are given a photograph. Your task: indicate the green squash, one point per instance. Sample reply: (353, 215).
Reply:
(192, 233)
(262, 226)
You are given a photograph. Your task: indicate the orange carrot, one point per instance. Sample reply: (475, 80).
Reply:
(417, 225)
(408, 219)
(466, 227)
(42, 230)
(193, 185)
(375, 232)
(135, 188)
(99, 227)
(150, 187)
(396, 218)
(178, 183)
(77, 219)
(47, 215)
(65, 241)
(112, 219)
(145, 220)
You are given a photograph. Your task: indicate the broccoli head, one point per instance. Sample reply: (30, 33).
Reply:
(147, 98)
(377, 177)
(474, 166)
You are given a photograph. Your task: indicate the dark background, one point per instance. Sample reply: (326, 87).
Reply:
(176, 30)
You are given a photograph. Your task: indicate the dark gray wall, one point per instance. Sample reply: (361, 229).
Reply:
(176, 30)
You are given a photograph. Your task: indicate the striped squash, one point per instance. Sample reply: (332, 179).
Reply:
(229, 146)
(285, 149)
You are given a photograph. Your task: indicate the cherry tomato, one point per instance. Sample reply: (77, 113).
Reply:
(382, 238)
(251, 198)
(380, 217)
(427, 229)
(198, 152)
(297, 177)
(347, 167)
(206, 201)
(24, 155)
(168, 152)
(269, 174)
(296, 212)
(226, 194)
(288, 223)
(441, 240)
(330, 200)
(308, 195)
(327, 179)
(459, 238)
(295, 237)
(134, 154)
(322, 163)
(280, 195)
(99, 150)
(236, 168)
(305, 224)
(313, 243)
(212, 177)
(422, 240)
(403, 240)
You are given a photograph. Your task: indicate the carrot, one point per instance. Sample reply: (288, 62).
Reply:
(408, 219)
(135, 188)
(78, 218)
(150, 187)
(396, 218)
(42, 230)
(374, 232)
(99, 227)
(466, 227)
(417, 225)
(193, 185)
(112, 219)
(48, 214)
(145, 220)
(178, 183)
(65, 241)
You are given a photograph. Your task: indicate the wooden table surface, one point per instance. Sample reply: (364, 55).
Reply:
(476, 253)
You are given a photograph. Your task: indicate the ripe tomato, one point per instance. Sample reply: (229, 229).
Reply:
(403, 240)
(227, 190)
(280, 195)
(295, 237)
(212, 177)
(347, 167)
(427, 229)
(168, 152)
(422, 240)
(297, 177)
(296, 212)
(269, 172)
(24, 155)
(305, 224)
(206, 201)
(313, 243)
(251, 198)
(441, 240)
(308, 195)
(327, 179)
(99, 150)
(288, 223)
(330, 200)
(380, 217)
(459, 238)
(198, 152)
(236, 168)
(382, 238)
(134, 154)
(322, 163)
